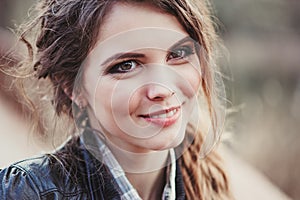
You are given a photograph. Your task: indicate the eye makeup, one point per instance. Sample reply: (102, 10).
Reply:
(180, 54)
(123, 67)
(122, 63)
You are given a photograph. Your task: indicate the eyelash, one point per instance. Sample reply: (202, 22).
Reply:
(115, 69)
(188, 50)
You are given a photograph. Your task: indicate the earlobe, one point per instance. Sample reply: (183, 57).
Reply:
(81, 103)
(68, 92)
(78, 99)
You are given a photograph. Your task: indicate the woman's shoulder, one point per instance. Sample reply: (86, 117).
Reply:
(25, 179)
(46, 176)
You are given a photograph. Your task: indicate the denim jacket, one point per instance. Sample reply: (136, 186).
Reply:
(59, 176)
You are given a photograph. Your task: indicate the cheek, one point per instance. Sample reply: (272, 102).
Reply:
(99, 94)
(190, 81)
(110, 106)
(123, 98)
(101, 100)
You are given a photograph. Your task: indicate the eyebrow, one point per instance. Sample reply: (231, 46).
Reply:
(186, 39)
(122, 56)
(139, 55)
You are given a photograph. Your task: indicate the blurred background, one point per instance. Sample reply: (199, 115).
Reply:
(263, 40)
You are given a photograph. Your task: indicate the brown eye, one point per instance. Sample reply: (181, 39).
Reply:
(180, 53)
(124, 67)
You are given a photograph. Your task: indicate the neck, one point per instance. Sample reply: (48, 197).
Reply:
(142, 162)
(149, 185)
(145, 171)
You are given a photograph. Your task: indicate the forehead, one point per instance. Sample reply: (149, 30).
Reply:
(129, 16)
(130, 27)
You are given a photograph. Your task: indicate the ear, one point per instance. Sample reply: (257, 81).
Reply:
(78, 99)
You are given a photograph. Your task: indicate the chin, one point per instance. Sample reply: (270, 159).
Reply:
(173, 143)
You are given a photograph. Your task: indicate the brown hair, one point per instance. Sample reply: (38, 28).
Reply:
(66, 32)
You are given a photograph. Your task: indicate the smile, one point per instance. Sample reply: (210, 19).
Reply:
(163, 118)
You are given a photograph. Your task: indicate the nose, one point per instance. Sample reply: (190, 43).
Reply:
(157, 92)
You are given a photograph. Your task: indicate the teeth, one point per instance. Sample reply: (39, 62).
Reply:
(162, 116)
(165, 115)
(171, 113)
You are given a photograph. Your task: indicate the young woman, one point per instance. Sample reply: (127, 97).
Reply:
(138, 79)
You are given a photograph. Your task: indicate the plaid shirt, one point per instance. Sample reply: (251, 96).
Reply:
(127, 190)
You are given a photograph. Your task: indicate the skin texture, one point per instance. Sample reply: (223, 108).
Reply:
(161, 75)
(154, 82)
(141, 113)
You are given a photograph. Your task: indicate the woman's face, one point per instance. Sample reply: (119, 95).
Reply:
(141, 79)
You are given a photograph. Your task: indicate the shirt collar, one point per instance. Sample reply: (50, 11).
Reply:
(126, 190)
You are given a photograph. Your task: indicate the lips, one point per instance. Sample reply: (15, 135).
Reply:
(164, 118)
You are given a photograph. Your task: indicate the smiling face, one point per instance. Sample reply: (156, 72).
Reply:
(141, 79)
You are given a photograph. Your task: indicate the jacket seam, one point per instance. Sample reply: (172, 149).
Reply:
(29, 174)
(68, 194)
(47, 191)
